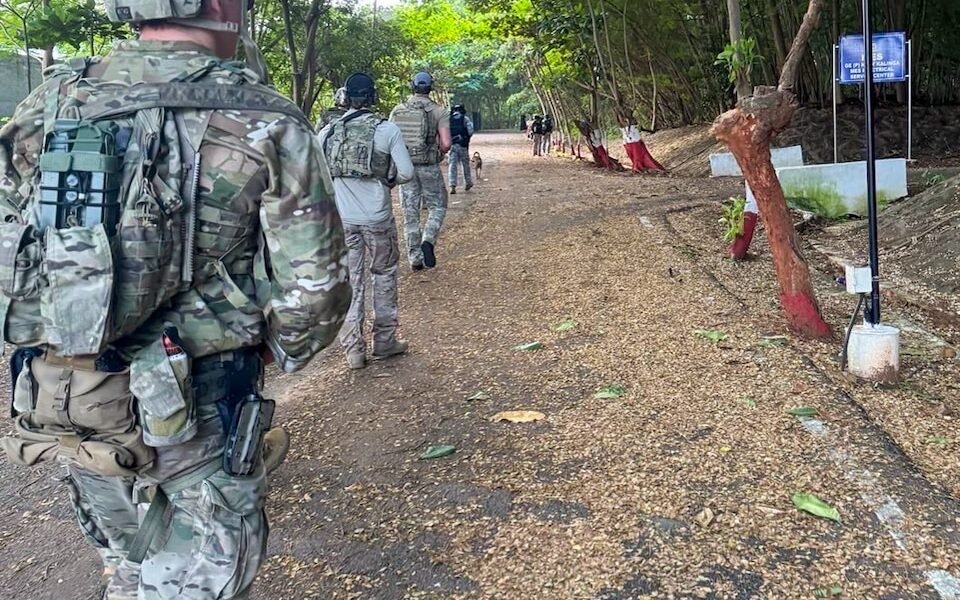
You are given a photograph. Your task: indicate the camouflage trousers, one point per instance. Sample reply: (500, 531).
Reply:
(381, 242)
(425, 190)
(217, 533)
(459, 157)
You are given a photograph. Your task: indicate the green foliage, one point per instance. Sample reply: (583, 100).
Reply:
(732, 218)
(739, 58)
(76, 26)
(931, 179)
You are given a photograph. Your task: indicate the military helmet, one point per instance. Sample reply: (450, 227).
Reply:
(360, 86)
(140, 11)
(340, 97)
(422, 83)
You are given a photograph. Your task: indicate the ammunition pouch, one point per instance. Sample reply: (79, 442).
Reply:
(67, 410)
(165, 398)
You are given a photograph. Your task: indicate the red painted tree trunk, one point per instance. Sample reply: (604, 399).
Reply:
(748, 130)
(599, 152)
(738, 249)
(640, 158)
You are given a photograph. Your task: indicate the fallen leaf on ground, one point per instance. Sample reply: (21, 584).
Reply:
(705, 517)
(830, 592)
(803, 411)
(809, 503)
(528, 347)
(747, 401)
(610, 392)
(938, 440)
(437, 452)
(773, 340)
(566, 325)
(518, 416)
(713, 335)
(478, 396)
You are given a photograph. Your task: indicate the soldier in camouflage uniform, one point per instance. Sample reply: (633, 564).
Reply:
(367, 157)
(227, 251)
(426, 132)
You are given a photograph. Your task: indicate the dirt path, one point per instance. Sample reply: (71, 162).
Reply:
(680, 488)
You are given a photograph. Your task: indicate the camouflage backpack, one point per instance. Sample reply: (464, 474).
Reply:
(349, 147)
(111, 235)
(106, 239)
(419, 134)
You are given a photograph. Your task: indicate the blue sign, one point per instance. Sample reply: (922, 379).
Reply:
(889, 58)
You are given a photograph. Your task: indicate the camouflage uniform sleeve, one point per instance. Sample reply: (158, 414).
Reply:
(309, 290)
(21, 140)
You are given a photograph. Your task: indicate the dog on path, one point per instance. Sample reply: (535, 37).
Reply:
(477, 164)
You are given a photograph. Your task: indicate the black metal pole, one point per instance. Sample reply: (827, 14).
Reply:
(874, 312)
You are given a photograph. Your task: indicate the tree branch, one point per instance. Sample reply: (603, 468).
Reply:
(791, 67)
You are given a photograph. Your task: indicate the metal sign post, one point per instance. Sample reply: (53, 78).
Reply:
(909, 101)
(874, 313)
(836, 150)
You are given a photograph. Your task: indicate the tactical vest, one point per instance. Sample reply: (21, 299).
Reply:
(419, 131)
(350, 150)
(329, 116)
(458, 130)
(107, 238)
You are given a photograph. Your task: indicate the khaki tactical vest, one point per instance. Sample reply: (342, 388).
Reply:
(419, 131)
(349, 147)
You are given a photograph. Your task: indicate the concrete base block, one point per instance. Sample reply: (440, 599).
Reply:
(725, 165)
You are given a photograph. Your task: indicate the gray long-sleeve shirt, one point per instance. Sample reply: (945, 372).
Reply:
(366, 201)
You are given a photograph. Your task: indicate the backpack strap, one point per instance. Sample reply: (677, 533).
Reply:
(142, 96)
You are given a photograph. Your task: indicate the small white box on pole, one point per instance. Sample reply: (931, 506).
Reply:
(859, 279)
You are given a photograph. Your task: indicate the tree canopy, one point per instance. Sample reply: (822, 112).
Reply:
(658, 63)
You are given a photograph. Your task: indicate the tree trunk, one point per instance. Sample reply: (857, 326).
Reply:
(743, 77)
(599, 152)
(748, 131)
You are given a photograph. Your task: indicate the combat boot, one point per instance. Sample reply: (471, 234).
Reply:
(469, 185)
(429, 256)
(356, 360)
(276, 444)
(397, 347)
(453, 189)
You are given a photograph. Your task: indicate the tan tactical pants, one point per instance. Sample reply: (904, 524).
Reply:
(426, 190)
(381, 242)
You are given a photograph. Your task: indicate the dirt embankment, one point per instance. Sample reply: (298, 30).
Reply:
(936, 138)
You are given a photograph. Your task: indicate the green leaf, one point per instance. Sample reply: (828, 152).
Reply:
(437, 452)
(815, 506)
(529, 347)
(713, 335)
(938, 440)
(733, 214)
(747, 401)
(803, 411)
(566, 325)
(611, 392)
(830, 592)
